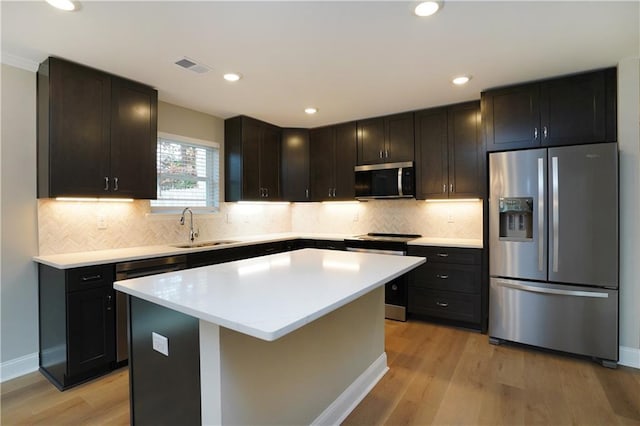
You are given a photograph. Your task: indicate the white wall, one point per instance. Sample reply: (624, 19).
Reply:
(629, 144)
(18, 275)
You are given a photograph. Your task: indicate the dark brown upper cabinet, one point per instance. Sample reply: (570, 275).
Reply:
(577, 109)
(97, 133)
(252, 160)
(332, 162)
(295, 165)
(387, 139)
(449, 152)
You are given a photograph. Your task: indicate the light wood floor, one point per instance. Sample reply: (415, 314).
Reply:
(438, 375)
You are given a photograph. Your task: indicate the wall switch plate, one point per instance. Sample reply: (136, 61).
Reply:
(160, 343)
(450, 217)
(101, 222)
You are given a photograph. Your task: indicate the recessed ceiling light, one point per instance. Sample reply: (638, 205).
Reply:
(232, 76)
(427, 8)
(311, 110)
(62, 4)
(459, 81)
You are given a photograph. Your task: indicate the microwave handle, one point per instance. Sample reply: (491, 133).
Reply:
(400, 182)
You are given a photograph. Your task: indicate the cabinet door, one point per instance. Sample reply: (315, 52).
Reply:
(91, 329)
(511, 118)
(345, 161)
(399, 138)
(431, 153)
(371, 144)
(77, 127)
(270, 161)
(295, 164)
(572, 109)
(466, 153)
(134, 132)
(251, 141)
(322, 152)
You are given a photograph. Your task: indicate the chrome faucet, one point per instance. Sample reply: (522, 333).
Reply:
(192, 234)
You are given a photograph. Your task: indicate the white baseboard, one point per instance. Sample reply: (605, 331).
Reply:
(629, 357)
(339, 409)
(19, 367)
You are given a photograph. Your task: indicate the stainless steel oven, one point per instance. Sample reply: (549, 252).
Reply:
(395, 292)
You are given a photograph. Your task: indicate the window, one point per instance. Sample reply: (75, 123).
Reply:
(188, 173)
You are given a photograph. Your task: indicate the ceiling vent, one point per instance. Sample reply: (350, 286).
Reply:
(191, 65)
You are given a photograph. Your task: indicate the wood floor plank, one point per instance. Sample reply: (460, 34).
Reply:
(438, 375)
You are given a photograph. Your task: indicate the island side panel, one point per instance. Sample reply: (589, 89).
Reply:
(294, 379)
(165, 390)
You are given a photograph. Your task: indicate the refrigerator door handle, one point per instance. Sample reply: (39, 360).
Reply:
(577, 293)
(541, 214)
(556, 212)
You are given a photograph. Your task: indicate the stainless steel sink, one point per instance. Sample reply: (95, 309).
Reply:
(203, 244)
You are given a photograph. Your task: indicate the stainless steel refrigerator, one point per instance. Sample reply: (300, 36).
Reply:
(553, 249)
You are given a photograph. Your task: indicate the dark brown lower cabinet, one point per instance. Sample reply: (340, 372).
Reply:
(77, 323)
(448, 286)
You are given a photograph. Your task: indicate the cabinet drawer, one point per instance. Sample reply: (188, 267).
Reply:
(90, 277)
(458, 278)
(444, 304)
(447, 254)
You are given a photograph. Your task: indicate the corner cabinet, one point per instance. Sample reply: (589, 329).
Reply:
(76, 323)
(332, 161)
(448, 286)
(252, 160)
(97, 133)
(386, 139)
(577, 109)
(449, 152)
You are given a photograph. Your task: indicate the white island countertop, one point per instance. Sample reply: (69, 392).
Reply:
(270, 296)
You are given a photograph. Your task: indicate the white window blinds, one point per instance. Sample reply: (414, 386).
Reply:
(188, 174)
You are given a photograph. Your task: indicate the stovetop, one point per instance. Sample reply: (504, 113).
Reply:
(375, 236)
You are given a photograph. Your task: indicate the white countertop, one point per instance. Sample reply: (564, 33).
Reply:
(447, 242)
(270, 296)
(101, 257)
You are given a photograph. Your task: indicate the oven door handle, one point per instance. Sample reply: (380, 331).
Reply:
(378, 251)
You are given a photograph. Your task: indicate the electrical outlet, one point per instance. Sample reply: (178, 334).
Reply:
(102, 222)
(450, 217)
(356, 217)
(160, 343)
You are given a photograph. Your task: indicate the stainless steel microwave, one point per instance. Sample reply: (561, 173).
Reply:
(388, 180)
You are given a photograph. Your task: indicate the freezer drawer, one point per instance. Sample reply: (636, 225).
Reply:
(579, 320)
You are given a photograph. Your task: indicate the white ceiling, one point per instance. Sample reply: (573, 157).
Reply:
(349, 59)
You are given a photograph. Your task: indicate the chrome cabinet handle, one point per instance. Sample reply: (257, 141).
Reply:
(380, 153)
(444, 188)
(394, 287)
(91, 278)
(545, 132)
(334, 193)
(329, 195)
(451, 188)
(535, 133)
(266, 192)
(386, 153)
(443, 255)
(442, 277)
(106, 183)
(442, 304)
(115, 183)
(306, 193)
(109, 307)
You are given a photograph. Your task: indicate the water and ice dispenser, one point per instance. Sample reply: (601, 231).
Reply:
(516, 219)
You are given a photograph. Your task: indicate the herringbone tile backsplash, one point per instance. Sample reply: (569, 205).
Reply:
(66, 227)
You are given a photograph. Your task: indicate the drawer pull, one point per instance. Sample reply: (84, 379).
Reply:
(443, 255)
(442, 277)
(442, 304)
(91, 278)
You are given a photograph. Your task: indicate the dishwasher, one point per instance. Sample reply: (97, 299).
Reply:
(136, 269)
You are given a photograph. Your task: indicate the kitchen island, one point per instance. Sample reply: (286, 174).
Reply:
(290, 338)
